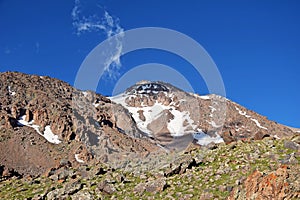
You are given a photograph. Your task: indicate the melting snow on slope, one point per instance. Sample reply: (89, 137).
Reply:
(204, 139)
(242, 113)
(78, 159)
(206, 97)
(48, 134)
(255, 120)
(96, 104)
(119, 99)
(11, 92)
(150, 114)
(175, 125)
(276, 136)
(213, 109)
(213, 124)
(258, 124)
(22, 121)
(84, 93)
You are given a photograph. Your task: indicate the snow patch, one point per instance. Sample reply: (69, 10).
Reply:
(12, 93)
(206, 97)
(212, 109)
(204, 139)
(48, 134)
(276, 136)
(96, 104)
(84, 93)
(258, 124)
(78, 159)
(244, 113)
(175, 126)
(213, 124)
(151, 113)
(119, 99)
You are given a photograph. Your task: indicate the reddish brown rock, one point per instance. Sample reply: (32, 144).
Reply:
(275, 185)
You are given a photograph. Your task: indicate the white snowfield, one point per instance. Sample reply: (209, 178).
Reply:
(48, 134)
(179, 125)
(78, 159)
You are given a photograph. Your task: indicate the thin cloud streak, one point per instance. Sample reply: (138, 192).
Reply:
(91, 22)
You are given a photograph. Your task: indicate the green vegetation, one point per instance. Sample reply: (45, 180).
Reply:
(220, 170)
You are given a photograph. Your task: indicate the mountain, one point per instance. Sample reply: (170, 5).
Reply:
(50, 131)
(165, 112)
(49, 119)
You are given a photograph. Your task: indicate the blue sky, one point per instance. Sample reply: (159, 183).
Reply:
(255, 44)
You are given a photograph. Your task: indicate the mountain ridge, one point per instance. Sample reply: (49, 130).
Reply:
(48, 128)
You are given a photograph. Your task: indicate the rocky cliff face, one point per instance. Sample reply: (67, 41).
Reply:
(50, 129)
(44, 121)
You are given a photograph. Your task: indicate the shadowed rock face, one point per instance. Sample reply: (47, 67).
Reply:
(59, 122)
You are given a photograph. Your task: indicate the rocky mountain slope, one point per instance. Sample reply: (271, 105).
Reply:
(60, 142)
(165, 112)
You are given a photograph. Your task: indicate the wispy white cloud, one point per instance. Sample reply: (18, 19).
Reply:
(37, 47)
(100, 20)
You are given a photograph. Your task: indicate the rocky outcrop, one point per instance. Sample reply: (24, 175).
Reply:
(275, 185)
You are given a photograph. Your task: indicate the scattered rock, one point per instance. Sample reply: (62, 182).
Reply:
(152, 186)
(291, 145)
(106, 188)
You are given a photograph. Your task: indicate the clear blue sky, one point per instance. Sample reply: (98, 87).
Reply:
(255, 44)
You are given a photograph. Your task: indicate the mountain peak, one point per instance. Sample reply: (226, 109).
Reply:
(148, 87)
